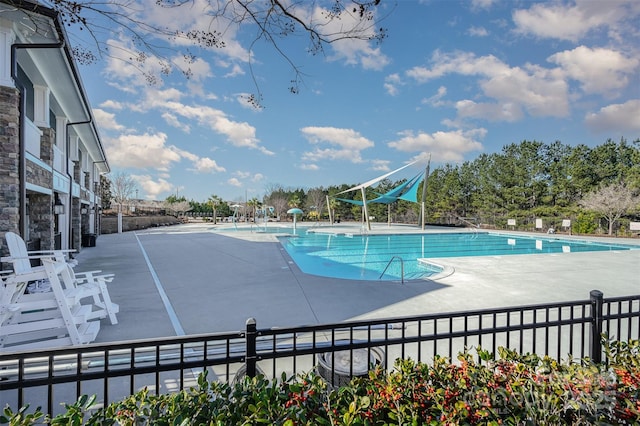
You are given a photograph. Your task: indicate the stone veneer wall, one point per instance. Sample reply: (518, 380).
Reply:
(9, 163)
(40, 205)
(76, 231)
(41, 220)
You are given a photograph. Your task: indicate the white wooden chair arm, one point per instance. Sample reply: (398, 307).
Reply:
(51, 251)
(12, 259)
(89, 276)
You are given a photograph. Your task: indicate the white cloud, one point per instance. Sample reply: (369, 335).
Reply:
(349, 142)
(360, 52)
(541, 92)
(482, 4)
(598, 70)
(477, 32)
(166, 95)
(173, 121)
(621, 118)
(153, 188)
(141, 151)
(572, 21)
(391, 83)
(235, 71)
(422, 157)
(128, 71)
(242, 100)
(351, 51)
(206, 165)
(436, 100)
(177, 114)
(107, 120)
(444, 146)
(347, 138)
(234, 182)
(195, 15)
(507, 111)
(184, 154)
(465, 63)
(380, 165)
(309, 166)
(238, 134)
(196, 69)
(128, 74)
(199, 164)
(112, 105)
(534, 89)
(150, 151)
(258, 177)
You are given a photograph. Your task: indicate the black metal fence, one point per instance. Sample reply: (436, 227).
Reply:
(338, 351)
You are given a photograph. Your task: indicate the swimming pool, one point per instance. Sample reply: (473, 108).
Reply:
(364, 257)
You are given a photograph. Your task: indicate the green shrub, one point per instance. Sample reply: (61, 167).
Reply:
(585, 223)
(513, 390)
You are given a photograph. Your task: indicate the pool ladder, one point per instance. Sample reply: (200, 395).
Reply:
(401, 268)
(471, 225)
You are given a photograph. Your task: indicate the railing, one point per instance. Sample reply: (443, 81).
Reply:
(32, 138)
(472, 225)
(389, 264)
(59, 159)
(113, 371)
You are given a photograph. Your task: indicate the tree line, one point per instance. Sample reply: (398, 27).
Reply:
(534, 179)
(523, 181)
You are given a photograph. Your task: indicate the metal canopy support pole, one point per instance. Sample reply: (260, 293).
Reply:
(329, 208)
(424, 192)
(364, 207)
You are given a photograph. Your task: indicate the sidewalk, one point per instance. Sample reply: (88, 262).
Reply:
(190, 279)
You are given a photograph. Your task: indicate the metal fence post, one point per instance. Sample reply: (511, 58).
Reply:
(596, 325)
(250, 340)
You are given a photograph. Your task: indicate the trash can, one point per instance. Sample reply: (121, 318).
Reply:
(338, 368)
(89, 240)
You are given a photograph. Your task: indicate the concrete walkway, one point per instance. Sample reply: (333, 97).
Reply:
(192, 278)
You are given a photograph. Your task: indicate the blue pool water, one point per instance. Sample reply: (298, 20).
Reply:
(362, 257)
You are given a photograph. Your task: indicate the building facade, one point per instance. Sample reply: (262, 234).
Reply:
(51, 156)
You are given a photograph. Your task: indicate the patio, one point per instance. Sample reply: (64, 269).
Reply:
(192, 278)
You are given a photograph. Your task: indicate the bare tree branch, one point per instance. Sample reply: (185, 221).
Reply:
(274, 19)
(122, 186)
(611, 202)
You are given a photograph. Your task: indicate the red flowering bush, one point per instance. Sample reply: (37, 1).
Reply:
(512, 390)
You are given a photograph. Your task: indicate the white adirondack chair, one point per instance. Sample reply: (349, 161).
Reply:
(38, 320)
(55, 318)
(86, 284)
(27, 319)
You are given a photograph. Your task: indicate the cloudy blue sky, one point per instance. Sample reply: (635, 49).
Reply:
(454, 79)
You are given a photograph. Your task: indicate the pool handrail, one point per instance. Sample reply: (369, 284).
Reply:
(401, 268)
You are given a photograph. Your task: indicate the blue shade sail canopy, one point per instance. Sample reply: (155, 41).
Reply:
(376, 180)
(346, 200)
(407, 191)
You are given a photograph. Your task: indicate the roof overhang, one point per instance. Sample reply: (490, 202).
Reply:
(54, 68)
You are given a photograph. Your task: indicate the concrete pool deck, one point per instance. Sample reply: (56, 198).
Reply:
(196, 278)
